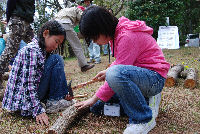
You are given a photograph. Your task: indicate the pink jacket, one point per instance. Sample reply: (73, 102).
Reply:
(134, 45)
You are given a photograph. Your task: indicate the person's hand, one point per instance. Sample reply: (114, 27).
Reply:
(42, 119)
(100, 76)
(87, 103)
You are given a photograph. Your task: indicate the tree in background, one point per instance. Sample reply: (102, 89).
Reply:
(45, 10)
(2, 16)
(182, 13)
(116, 5)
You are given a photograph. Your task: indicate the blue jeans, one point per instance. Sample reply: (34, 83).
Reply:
(133, 86)
(21, 45)
(105, 49)
(94, 52)
(53, 83)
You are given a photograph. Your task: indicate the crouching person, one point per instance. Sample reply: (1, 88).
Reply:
(137, 76)
(38, 76)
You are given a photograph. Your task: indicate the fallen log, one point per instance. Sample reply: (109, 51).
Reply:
(173, 74)
(65, 119)
(191, 78)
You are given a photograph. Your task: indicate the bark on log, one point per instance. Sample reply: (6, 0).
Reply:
(183, 74)
(65, 119)
(173, 74)
(1, 94)
(191, 78)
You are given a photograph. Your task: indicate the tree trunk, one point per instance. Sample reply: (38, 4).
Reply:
(173, 74)
(191, 78)
(1, 94)
(65, 119)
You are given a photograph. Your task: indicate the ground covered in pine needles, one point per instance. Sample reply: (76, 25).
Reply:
(179, 110)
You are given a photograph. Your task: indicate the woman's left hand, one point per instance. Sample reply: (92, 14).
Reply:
(101, 76)
(87, 103)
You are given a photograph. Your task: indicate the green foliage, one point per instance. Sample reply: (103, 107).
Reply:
(115, 5)
(43, 15)
(2, 16)
(182, 13)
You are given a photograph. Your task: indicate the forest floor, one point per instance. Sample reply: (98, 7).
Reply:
(179, 110)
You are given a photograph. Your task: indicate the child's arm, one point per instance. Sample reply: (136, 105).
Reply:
(87, 103)
(32, 72)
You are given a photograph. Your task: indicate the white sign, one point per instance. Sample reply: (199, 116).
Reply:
(168, 37)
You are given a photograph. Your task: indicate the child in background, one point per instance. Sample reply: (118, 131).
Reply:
(94, 53)
(137, 76)
(38, 76)
(19, 16)
(69, 18)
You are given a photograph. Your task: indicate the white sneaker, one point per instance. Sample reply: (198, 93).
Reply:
(57, 106)
(140, 128)
(154, 103)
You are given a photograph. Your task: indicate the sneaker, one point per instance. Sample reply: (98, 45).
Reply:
(57, 106)
(140, 128)
(97, 62)
(90, 61)
(86, 67)
(154, 103)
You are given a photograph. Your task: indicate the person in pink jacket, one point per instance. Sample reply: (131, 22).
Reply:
(137, 76)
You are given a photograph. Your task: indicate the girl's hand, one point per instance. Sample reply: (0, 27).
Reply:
(42, 119)
(87, 103)
(101, 76)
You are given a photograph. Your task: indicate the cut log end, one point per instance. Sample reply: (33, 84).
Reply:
(190, 83)
(173, 74)
(170, 82)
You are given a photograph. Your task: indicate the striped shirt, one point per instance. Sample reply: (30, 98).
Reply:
(21, 90)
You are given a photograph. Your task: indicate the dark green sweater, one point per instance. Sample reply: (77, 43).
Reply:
(21, 8)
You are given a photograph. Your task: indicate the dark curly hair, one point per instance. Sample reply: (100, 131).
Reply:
(54, 29)
(97, 20)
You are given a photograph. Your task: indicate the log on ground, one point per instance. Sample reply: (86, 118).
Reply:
(65, 119)
(173, 75)
(191, 78)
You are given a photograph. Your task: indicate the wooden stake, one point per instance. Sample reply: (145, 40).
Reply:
(81, 96)
(84, 84)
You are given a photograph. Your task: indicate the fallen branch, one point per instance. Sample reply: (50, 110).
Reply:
(191, 78)
(81, 96)
(173, 74)
(85, 84)
(65, 119)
